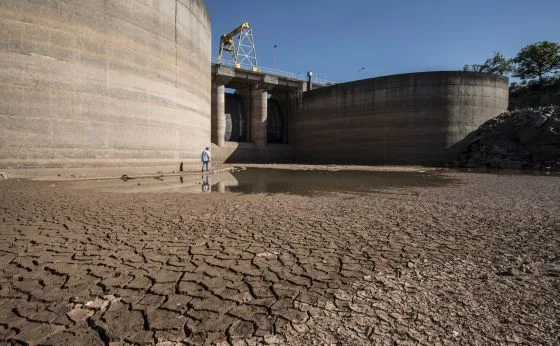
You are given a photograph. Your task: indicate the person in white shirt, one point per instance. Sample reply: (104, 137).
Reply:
(205, 158)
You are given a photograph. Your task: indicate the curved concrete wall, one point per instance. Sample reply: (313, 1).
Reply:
(103, 82)
(415, 118)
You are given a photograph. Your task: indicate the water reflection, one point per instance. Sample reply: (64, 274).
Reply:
(205, 184)
(260, 180)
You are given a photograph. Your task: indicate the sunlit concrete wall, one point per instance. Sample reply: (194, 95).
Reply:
(415, 118)
(103, 82)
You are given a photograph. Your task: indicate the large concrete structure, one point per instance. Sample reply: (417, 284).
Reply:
(103, 82)
(255, 90)
(129, 82)
(415, 118)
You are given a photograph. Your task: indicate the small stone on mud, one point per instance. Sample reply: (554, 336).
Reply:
(272, 339)
(79, 314)
(342, 295)
(97, 304)
(101, 304)
(266, 254)
(300, 328)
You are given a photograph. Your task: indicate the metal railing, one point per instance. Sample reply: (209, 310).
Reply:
(295, 76)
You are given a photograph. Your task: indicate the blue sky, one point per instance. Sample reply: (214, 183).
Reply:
(337, 38)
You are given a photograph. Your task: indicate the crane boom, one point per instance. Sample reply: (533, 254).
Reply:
(236, 31)
(244, 54)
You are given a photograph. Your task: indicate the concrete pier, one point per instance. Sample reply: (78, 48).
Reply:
(218, 115)
(259, 115)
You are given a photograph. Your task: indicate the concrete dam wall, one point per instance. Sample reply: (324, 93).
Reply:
(415, 118)
(89, 82)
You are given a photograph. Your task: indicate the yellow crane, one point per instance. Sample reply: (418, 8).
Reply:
(244, 54)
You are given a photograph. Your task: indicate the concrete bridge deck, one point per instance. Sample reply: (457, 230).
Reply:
(241, 78)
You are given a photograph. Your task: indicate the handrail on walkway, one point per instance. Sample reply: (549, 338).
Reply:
(275, 72)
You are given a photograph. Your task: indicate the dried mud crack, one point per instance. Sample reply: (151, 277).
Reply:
(474, 263)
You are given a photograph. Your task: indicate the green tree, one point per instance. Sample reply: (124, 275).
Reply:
(537, 60)
(497, 65)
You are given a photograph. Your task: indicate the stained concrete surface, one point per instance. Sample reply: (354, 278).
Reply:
(469, 263)
(413, 118)
(115, 82)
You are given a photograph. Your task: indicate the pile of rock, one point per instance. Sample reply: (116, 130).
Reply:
(521, 139)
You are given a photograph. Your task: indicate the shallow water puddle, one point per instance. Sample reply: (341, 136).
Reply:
(265, 180)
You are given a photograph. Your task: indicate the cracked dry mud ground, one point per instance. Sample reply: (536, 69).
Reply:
(474, 263)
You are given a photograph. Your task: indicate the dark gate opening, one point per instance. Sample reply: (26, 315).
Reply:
(236, 123)
(275, 123)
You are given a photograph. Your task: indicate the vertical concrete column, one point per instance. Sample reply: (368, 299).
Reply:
(218, 115)
(259, 114)
(221, 187)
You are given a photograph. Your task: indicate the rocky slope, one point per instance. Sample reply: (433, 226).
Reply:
(521, 139)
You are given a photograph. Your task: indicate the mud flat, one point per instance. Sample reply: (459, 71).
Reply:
(465, 259)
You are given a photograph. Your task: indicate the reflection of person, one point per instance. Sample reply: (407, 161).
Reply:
(205, 184)
(205, 158)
